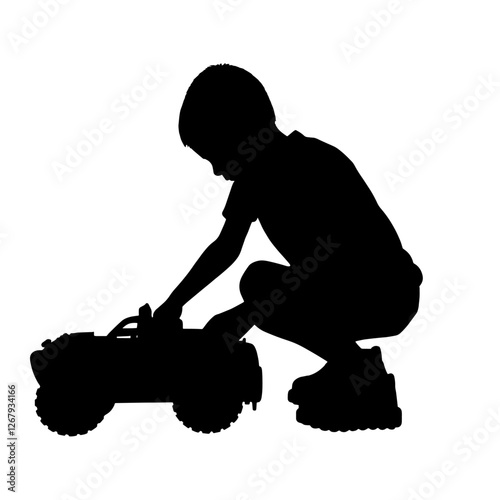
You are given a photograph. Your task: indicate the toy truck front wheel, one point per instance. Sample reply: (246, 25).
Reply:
(71, 414)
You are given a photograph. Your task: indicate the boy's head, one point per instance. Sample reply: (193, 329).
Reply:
(224, 105)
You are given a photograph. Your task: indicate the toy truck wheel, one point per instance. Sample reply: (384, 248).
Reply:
(69, 415)
(208, 416)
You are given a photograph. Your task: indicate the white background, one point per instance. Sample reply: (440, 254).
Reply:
(120, 210)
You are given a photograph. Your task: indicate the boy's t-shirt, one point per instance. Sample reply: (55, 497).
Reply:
(304, 192)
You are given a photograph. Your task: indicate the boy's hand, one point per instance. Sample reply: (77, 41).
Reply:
(168, 316)
(217, 325)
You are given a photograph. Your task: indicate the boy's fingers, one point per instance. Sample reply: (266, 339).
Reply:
(167, 321)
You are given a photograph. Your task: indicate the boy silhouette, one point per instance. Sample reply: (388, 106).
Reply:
(348, 276)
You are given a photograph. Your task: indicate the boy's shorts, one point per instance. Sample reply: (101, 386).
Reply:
(339, 300)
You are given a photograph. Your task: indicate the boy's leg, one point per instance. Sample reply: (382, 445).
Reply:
(233, 324)
(353, 390)
(260, 287)
(295, 314)
(323, 314)
(303, 312)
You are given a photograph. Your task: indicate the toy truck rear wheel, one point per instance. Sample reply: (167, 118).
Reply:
(208, 416)
(70, 415)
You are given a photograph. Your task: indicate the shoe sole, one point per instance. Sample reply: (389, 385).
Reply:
(332, 423)
(345, 418)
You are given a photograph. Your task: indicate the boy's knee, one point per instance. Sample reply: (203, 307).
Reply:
(258, 277)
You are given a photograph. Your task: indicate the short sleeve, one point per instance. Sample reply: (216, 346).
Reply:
(240, 204)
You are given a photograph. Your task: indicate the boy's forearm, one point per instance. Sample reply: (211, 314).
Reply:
(212, 263)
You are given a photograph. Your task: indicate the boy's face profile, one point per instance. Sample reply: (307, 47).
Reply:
(218, 164)
(222, 155)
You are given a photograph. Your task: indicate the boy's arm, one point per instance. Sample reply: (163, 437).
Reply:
(217, 257)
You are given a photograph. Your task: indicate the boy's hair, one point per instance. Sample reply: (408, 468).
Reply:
(224, 99)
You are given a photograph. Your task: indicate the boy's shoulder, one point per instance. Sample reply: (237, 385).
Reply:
(300, 161)
(309, 144)
(317, 163)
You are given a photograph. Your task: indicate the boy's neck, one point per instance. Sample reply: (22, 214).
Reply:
(277, 141)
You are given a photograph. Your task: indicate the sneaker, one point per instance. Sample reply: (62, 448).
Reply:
(348, 396)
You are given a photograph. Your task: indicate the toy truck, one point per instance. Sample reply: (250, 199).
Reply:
(82, 376)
